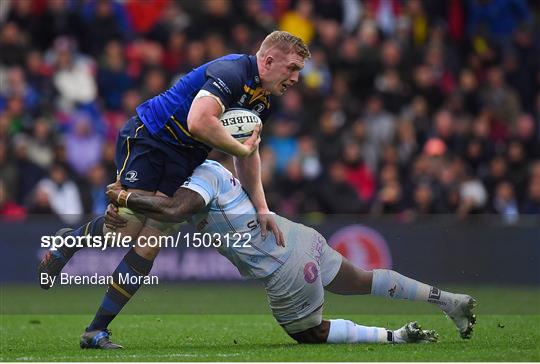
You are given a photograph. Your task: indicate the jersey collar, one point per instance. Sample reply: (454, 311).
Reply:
(255, 70)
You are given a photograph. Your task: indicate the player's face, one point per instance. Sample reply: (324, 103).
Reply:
(282, 72)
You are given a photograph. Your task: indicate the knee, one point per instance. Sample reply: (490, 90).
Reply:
(314, 335)
(147, 252)
(133, 222)
(131, 216)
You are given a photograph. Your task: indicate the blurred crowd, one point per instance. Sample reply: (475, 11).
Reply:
(406, 107)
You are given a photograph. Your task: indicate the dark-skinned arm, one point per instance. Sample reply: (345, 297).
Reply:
(181, 206)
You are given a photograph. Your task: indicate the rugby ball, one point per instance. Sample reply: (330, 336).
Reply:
(240, 123)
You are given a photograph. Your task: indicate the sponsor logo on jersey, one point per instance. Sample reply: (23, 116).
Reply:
(187, 181)
(310, 272)
(257, 94)
(131, 176)
(258, 108)
(254, 259)
(202, 224)
(222, 86)
(392, 291)
(363, 246)
(434, 293)
(317, 249)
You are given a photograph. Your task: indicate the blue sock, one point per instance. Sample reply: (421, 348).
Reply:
(93, 228)
(118, 294)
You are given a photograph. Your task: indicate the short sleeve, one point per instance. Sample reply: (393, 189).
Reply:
(204, 182)
(224, 80)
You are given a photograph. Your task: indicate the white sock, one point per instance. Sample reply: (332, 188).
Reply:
(345, 331)
(387, 283)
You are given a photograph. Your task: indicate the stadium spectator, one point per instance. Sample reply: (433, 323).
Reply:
(38, 74)
(532, 201)
(9, 173)
(144, 16)
(501, 100)
(29, 173)
(468, 89)
(380, 124)
(108, 162)
(18, 87)
(104, 21)
(13, 45)
(499, 17)
(327, 136)
(174, 52)
(112, 78)
(57, 20)
(497, 173)
(61, 194)
(294, 189)
(9, 210)
(268, 166)
(40, 144)
(392, 90)
(357, 174)
(405, 106)
(424, 85)
(521, 63)
(73, 75)
(40, 203)
(83, 144)
(505, 203)
(299, 21)
(423, 200)
(317, 75)
(93, 194)
(517, 166)
(308, 157)
(473, 196)
(283, 143)
(525, 134)
(20, 13)
(389, 199)
(336, 195)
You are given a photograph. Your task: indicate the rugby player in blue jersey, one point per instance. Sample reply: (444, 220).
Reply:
(295, 276)
(170, 136)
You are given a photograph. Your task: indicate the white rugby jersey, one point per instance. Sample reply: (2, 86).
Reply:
(230, 215)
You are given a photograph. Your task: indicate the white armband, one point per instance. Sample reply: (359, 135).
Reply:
(203, 93)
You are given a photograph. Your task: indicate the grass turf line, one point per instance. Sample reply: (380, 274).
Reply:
(213, 326)
(245, 298)
(257, 338)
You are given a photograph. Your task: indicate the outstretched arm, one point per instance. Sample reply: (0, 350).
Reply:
(249, 173)
(182, 205)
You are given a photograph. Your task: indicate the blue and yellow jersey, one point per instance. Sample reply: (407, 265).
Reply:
(234, 79)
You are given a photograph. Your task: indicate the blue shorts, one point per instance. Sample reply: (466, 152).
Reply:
(147, 163)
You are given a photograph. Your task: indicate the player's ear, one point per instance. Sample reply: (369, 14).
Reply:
(268, 61)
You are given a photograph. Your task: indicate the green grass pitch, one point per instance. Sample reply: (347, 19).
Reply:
(216, 322)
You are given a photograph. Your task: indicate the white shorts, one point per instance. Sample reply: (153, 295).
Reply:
(296, 290)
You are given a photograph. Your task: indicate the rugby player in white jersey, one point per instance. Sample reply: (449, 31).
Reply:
(294, 276)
